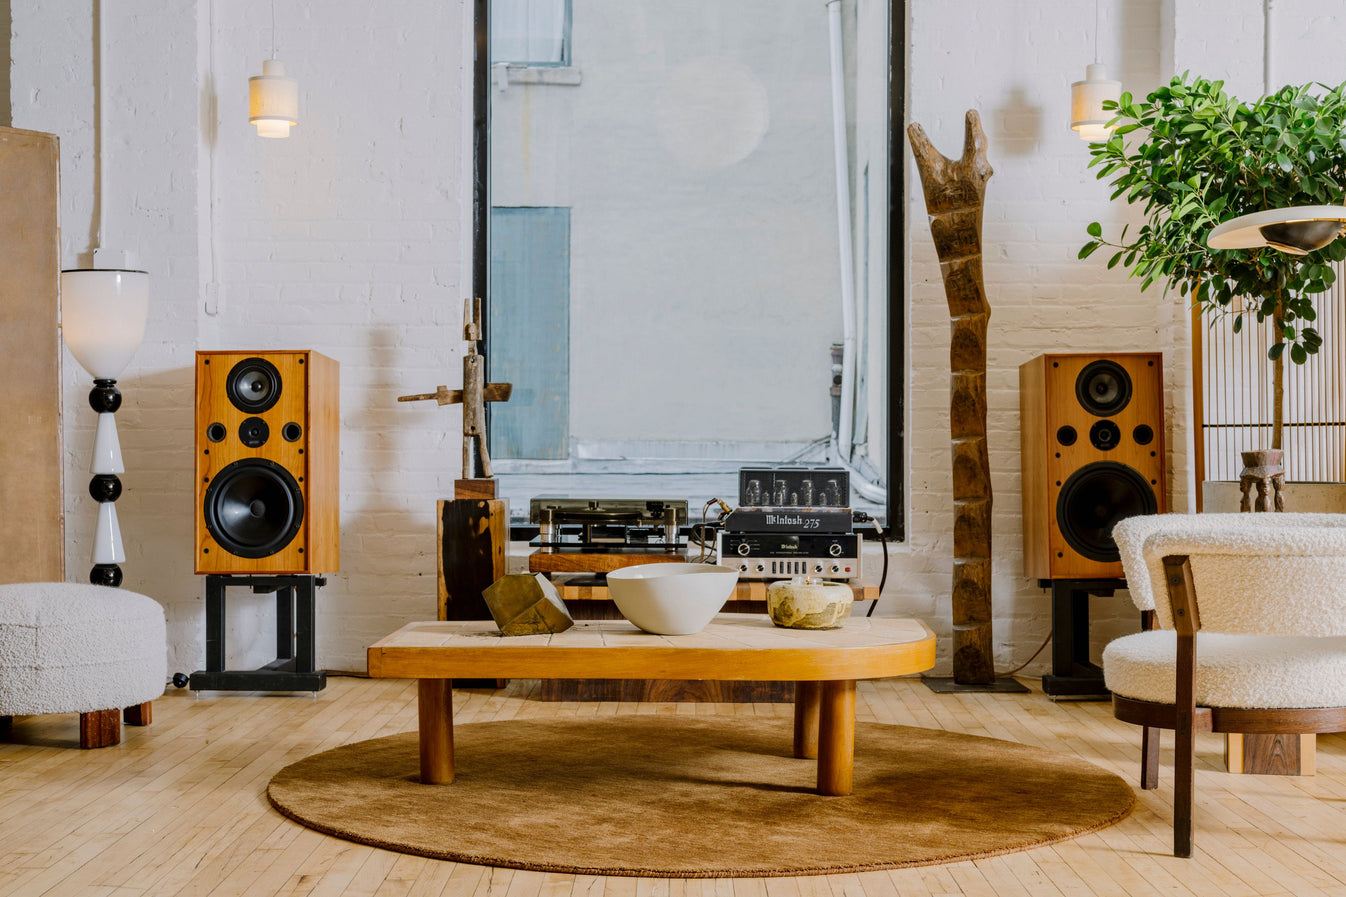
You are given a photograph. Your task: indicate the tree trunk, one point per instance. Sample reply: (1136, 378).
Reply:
(1277, 383)
(954, 194)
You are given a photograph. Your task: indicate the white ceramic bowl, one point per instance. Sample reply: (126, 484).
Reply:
(671, 599)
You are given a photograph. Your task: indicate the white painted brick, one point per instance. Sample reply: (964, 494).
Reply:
(349, 238)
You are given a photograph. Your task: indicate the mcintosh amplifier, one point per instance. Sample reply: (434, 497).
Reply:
(783, 555)
(791, 521)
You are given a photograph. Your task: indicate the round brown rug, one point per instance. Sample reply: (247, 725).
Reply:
(698, 797)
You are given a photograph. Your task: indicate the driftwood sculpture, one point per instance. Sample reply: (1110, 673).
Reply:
(954, 194)
(474, 395)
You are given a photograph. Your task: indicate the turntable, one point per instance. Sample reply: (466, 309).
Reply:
(596, 535)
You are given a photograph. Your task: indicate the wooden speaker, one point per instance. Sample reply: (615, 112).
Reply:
(267, 459)
(1092, 434)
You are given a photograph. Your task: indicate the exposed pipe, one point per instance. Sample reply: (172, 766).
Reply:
(845, 251)
(101, 98)
(1267, 85)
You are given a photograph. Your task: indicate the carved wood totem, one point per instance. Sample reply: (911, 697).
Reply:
(954, 194)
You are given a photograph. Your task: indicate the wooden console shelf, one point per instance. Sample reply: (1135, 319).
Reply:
(585, 589)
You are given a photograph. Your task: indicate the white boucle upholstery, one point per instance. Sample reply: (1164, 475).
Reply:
(1270, 593)
(74, 648)
(1255, 573)
(1232, 670)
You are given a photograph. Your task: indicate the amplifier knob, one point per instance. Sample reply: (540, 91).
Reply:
(834, 549)
(743, 568)
(836, 568)
(818, 568)
(761, 567)
(743, 549)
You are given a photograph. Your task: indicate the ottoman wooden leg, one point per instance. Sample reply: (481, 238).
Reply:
(836, 737)
(808, 698)
(6, 726)
(100, 728)
(139, 715)
(435, 703)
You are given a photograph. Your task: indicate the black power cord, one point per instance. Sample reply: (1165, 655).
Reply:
(862, 517)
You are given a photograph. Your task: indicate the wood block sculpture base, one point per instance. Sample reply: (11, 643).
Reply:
(473, 536)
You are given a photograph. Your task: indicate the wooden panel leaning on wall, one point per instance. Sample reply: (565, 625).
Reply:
(32, 531)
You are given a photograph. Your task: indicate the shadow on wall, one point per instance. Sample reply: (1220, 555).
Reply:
(388, 542)
(1018, 123)
(154, 426)
(6, 59)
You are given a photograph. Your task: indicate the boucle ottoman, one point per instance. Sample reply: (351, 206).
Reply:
(86, 649)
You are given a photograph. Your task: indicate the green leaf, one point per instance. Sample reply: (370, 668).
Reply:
(1298, 354)
(1276, 351)
(1095, 229)
(1088, 249)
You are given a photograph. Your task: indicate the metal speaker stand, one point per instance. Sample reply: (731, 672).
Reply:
(1073, 674)
(293, 668)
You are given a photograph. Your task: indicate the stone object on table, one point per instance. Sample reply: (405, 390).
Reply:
(805, 604)
(526, 604)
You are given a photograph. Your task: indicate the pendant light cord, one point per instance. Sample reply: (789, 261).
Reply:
(1096, 28)
(273, 29)
(101, 151)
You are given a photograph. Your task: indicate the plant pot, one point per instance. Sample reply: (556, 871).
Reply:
(1263, 471)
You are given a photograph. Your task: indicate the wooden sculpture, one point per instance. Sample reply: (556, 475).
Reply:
(474, 524)
(954, 194)
(474, 395)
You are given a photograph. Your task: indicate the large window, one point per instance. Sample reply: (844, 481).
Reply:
(681, 280)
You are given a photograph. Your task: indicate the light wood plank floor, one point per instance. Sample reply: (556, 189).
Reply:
(180, 807)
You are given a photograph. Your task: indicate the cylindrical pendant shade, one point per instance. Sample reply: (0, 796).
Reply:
(103, 314)
(273, 100)
(1086, 103)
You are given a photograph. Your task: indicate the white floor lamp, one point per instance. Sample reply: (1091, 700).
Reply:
(103, 315)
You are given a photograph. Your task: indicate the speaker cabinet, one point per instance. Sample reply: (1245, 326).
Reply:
(1092, 433)
(267, 459)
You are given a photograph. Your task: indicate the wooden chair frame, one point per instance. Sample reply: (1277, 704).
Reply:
(1185, 718)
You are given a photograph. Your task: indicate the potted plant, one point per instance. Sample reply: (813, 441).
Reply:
(1194, 156)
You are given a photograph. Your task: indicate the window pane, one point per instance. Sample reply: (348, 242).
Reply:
(528, 31)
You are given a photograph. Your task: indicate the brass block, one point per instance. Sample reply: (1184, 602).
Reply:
(526, 604)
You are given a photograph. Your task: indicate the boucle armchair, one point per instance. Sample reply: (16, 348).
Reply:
(1251, 610)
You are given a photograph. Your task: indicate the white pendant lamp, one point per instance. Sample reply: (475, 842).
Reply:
(1087, 116)
(273, 98)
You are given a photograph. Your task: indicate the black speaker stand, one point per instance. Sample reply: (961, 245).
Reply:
(1073, 674)
(293, 668)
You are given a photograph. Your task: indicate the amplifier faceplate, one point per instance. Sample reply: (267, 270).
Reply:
(783, 555)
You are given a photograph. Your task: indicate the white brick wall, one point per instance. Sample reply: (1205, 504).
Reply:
(352, 238)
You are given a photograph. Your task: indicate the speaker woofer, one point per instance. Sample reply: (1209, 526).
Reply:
(253, 508)
(1095, 499)
(253, 385)
(1103, 388)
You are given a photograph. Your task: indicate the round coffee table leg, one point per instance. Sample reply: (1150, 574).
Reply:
(836, 737)
(808, 698)
(435, 711)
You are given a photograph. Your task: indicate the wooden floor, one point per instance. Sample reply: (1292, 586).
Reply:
(180, 807)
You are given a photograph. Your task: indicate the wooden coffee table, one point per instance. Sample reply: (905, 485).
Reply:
(824, 665)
